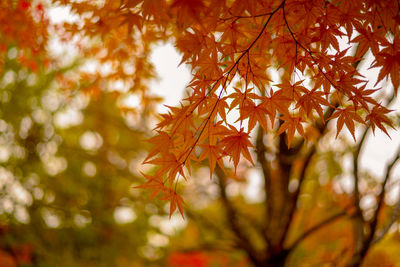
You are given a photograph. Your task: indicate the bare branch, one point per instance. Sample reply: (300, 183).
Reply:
(260, 150)
(383, 192)
(356, 156)
(322, 129)
(315, 228)
(363, 243)
(395, 216)
(297, 193)
(374, 221)
(243, 241)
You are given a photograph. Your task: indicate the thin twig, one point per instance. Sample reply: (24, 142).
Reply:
(246, 17)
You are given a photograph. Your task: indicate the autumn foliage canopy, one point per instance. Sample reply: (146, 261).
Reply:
(233, 47)
(269, 79)
(288, 66)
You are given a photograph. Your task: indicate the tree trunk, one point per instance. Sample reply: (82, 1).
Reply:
(276, 260)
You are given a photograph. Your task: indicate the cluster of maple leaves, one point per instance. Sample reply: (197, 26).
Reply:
(26, 26)
(232, 48)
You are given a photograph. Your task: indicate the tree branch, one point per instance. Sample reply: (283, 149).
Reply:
(363, 243)
(315, 228)
(356, 156)
(395, 216)
(359, 219)
(374, 222)
(296, 194)
(243, 241)
(322, 129)
(260, 150)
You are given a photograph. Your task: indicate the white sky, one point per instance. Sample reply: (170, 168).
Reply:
(172, 78)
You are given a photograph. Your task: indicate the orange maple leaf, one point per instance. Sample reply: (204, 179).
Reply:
(188, 11)
(389, 60)
(153, 183)
(176, 201)
(313, 101)
(277, 102)
(346, 116)
(162, 142)
(255, 113)
(214, 154)
(291, 124)
(377, 117)
(237, 143)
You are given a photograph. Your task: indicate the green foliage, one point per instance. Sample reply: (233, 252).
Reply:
(69, 162)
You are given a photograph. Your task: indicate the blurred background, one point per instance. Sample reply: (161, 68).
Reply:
(71, 146)
(72, 133)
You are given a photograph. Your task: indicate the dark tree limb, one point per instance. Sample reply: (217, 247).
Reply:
(260, 150)
(322, 128)
(243, 241)
(363, 243)
(315, 228)
(393, 219)
(374, 221)
(358, 216)
(296, 194)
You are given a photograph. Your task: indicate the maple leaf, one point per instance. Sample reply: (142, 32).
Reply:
(217, 106)
(237, 143)
(255, 113)
(360, 97)
(214, 132)
(162, 143)
(214, 154)
(191, 45)
(327, 36)
(239, 97)
(209, 67)
(154, 10)
(377, 117)
(313, 100)
(290, 125)
(346, 116)
(180, 119)
(276, 102)
(367, 39)
(389, 61)
(170, 165)
(176, 201)
(188, 11)
(153, 183)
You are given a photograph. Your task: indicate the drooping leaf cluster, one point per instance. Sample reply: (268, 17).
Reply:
(234, 47)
